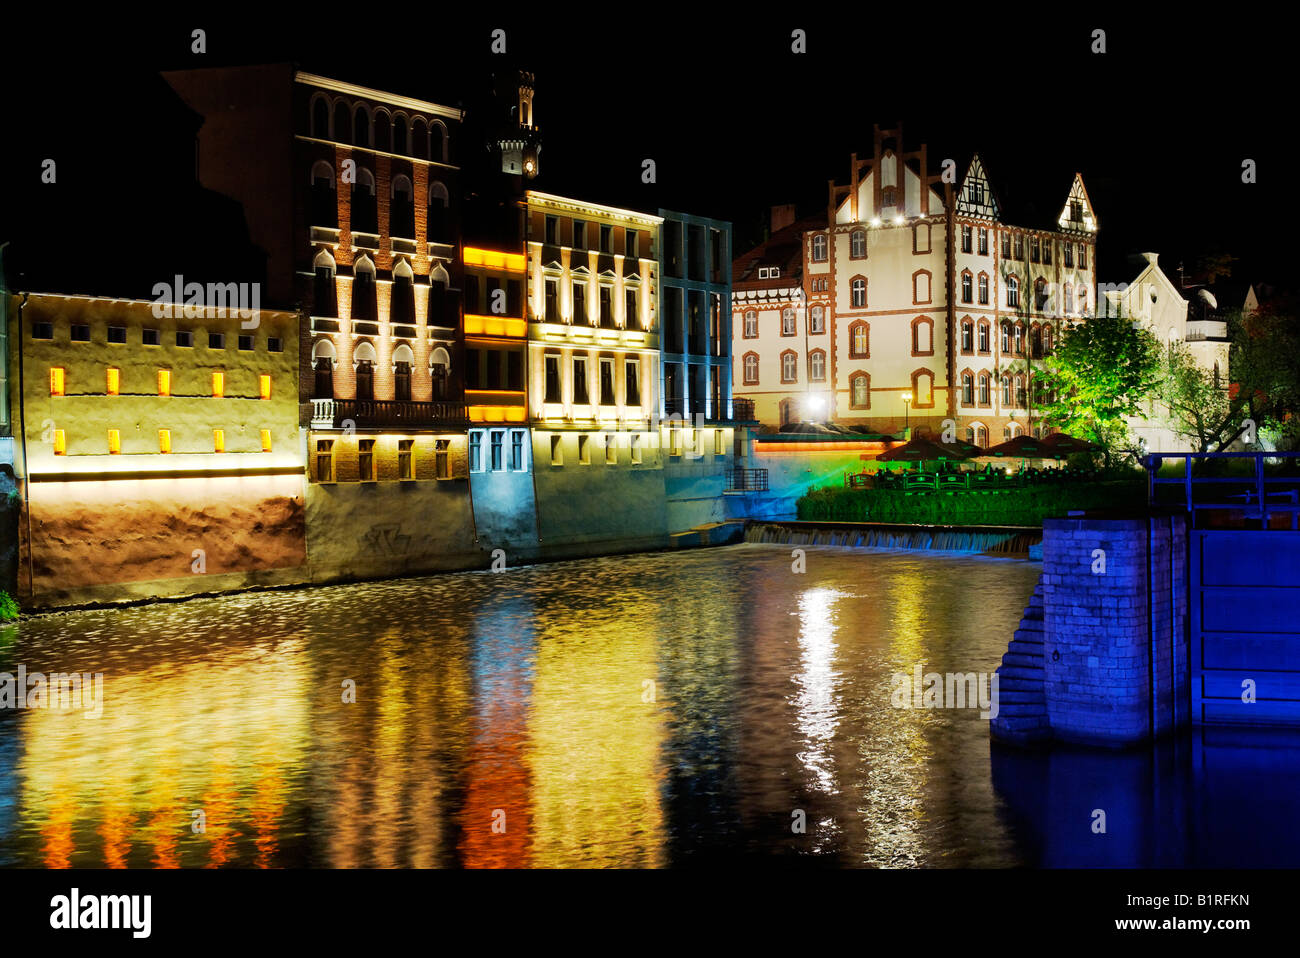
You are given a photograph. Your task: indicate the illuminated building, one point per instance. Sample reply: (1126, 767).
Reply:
(910, 303)
(139, 478)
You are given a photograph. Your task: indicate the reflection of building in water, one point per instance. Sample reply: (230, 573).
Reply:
(595, 745)
(496, 817)
(121, 789)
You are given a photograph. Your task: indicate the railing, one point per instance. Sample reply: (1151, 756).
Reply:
(1256, 496)
(383, 413)
(747, 480)
(742, 410)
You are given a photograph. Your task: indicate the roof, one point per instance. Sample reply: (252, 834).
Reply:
(783, 249)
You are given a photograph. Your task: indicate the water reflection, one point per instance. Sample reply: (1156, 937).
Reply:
(642, 711)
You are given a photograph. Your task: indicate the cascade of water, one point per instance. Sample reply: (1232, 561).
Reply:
(985, 541)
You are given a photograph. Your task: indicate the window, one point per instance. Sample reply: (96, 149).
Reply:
(164, 382)
(983, 241)
(817, 321)
(632, 382)
(858, 244)
(1034, 250)
(404, 458)
(274, 344)
(580, 395)
(185, 338)
(552, 231)
(984, 389)
(921, 286)
(60, 443)
(164, 440)
(632, 246)
(606, 239)
(967, 389)
(80, 333)
(1013, 292)
(965, 287)
(788, 327)
(57, 379)
(266, 440)
(922, 337)
(579, 234)
(553, 379)
(1067, 297)
(606, 305)
(219, 384)
(859, 293)
(675, 442)
(1006, 390)
(46, 331)
(1081, 298)
(264, 386)
(584, 450)
(967, 336)
(497, 448)
(149, 337)
(1020, 339)
(218, 440)
(631, 308)
(557, 452)
(634, 446)
(751, 324)
(551, 305)
(116, 334)
(611, 449)
(476, 450)
(517, 449)
(789, 367)
(441, 457)
(817, 366)
(984, 337)
(984, 289)
(1083, 256)
(216, 340)
(579, 302)
(365, 375)
(114, 442)
(366, 460)
(1006, 337)
(113, 381)
(1018, 243)
(607, 395)
(1047, 252)
(1020, 392)
(1067, 254)
(324, 460)
(819, 248)
(860, 340)
(1006, 246)
(401, 381)
(861, 391)
(245, 343)
(751, 369)
(966, 239)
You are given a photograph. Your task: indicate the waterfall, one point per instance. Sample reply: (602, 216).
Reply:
(981, 540)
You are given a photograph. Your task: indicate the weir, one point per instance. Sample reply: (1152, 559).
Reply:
(978, 540)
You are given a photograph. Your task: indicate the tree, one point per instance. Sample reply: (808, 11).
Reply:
(1264, 360)
(1101, 373)
(1200, 409)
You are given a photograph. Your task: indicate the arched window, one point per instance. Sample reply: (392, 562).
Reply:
(438, 202)
(361, 126)
(324, 301)
(984, 388)
(967, 389)
(923, 336)
(1020, 339)
(983, 336)
(819, 248)
(859, 293)
(383, 125)
(786, 411)
(921, 286)
(967, 336)
(1067, 297)
(965, 286)
(922, 389)
(1040, 294)
(438, 304)
(342, 122)
(401, 144)
(751, 324)
(817, 366)
(402, 295)
(363, 360)
(420, 138)
(1006, 337)
(1036, 341)
(751, 369)
(365, 209)
(364, 304)
(787, 322)
(858, 244)
(1020, 392)
(860, 340)
(1006, 390)
(402, 213)
(1013, 292)
(320, 117)
(440, 369)
(1047, 340)
(816, 320)
(438, 139)
(323, 360)
(984, 289)
(860, 387)
(403, 360)
(324, 207)
(789, 367)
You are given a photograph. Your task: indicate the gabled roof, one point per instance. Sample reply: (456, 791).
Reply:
(783, 249)
(968, 203)
(1078, 194)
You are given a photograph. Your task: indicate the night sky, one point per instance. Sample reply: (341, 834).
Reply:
(1158, 125)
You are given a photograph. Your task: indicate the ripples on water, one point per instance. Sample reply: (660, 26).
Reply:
(651, 710)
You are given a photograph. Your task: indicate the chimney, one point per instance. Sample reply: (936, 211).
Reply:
(782, 216)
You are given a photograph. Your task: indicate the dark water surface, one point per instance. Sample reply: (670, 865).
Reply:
(652, 710)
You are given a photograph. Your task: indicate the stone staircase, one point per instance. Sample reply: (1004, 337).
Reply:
(1022, 701)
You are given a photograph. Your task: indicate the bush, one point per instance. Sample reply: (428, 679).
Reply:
(8, 607)
(1027, 506)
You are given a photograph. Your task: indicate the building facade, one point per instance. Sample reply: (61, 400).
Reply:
(911, 304)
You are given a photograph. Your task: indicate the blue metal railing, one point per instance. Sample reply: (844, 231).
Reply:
(1255, 496)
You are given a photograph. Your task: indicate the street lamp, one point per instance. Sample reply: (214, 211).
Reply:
(907, 408)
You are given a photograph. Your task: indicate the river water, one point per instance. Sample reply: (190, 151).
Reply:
(706, 707)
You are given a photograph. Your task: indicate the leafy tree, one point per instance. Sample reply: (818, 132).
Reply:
(1200, 409)
(1101, 373)
(1264, 361)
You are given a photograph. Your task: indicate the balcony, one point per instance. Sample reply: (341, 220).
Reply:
(747, 480)
(388, 413)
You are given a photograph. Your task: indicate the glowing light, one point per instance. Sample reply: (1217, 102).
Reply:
(875, 221)
(113, 383)
(495, 259)
(264, 386)
(218, 385)
(218, 440)
(266, 440)
(164, 382)
(114, 442)
(495, 325)
(164, 440)
(60, 443)
(898, 220)
(56, 380)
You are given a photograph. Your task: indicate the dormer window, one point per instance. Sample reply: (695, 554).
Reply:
(1076, 211)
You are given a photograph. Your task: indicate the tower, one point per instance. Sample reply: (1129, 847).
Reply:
(518, 141)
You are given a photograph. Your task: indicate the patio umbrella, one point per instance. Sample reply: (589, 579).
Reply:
(920, 449)
(806, 429)
(1024, 447)
(964, 449)
(1068, 444)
